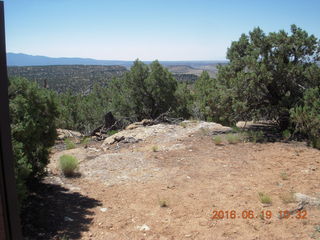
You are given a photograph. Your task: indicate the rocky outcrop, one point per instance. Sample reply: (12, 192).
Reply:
(140, 131)
(65, 133)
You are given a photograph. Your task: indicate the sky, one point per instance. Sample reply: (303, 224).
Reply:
(147, 29)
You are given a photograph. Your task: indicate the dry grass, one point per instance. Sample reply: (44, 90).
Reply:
(287, 197)
(284, 176)
(155, 148)
(217, 140)
(233, 138)
(264, 198)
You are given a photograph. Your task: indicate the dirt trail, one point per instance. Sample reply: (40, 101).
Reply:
(183, 168)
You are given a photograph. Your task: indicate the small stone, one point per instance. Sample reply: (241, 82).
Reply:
(144, 227)
(313, 168)
(103, 209)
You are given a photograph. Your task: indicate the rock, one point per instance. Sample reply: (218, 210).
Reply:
(119, 138)
(103, 209)
(109, 140)
(133, 126)
(307, 199)
(313, 168)
(144, 227)
(65, 133)
(131, 140)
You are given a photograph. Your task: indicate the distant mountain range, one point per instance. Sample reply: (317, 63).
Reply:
(20, 59)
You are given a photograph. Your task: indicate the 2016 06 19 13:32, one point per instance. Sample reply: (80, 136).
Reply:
(250, 214)
(246, 214)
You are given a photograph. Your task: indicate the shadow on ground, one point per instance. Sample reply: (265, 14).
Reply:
(52, 212)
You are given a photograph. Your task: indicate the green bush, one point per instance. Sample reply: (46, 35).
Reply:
(306, 117)
(145, 91)
(264, 198)
(233, 138)
(33, 111)
(68, 165)
(286, 134)
(112, 132)
(217, 140)
(254, 136)
(69, 144)
(266, 76)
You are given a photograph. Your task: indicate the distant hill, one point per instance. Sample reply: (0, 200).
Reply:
(20, 59)
(76, 78)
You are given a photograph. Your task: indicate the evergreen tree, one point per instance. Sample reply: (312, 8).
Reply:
(33, 111)
(268, 74)
(144, 92)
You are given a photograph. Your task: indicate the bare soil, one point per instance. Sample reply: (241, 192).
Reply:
(168, 185)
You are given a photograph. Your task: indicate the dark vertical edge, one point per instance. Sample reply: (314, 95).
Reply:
(8, 184)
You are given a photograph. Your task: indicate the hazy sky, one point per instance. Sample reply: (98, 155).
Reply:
(147, 29)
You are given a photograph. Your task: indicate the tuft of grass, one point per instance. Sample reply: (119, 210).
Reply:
(69, 144)
(315, 142)
(85, 140)
(155, 148)
(284, 176)
(287, 197)
(65, 237)
(217, 140)
(233, 138)
(68, 165)
(264, 198)
(163, 203)
(255, 136)
(286, 134)
(111, 132)
(183, 124)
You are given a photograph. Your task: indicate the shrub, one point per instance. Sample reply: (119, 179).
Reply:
(155, 149)
(111, 132)
(266, 76)
(33, 112)
(264, 198)
(69, 144)
(284, 176)
(163, 203)
(286, 134)
(183, 124)
(233, 138)
(255, 136)
(287, 197)
(307, 116)
(145, 91)
(85, 140)
(217, 140)
(68, 165)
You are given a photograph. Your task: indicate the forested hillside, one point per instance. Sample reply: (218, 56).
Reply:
(76, 78)
(82, 78)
